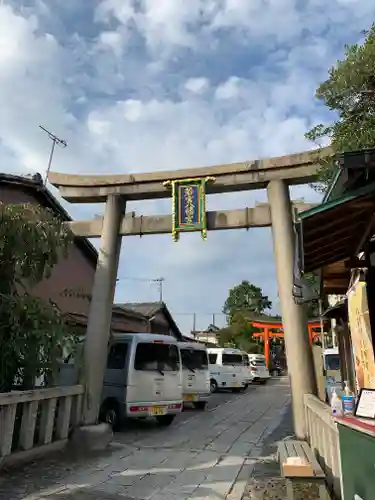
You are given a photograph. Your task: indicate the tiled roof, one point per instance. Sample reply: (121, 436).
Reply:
(46, 198)
(150, 309)
(147, 309)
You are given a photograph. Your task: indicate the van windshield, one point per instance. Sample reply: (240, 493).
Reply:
(194, 359)
(232, 359)
(150, 356)
(332, 362)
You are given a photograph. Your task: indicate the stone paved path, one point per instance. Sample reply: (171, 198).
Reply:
(208, 457)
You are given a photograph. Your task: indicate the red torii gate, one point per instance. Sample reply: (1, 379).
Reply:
(268, 326)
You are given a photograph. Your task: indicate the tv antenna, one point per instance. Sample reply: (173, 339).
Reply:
(55, 141)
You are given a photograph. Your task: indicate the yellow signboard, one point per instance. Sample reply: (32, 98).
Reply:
(360, 328)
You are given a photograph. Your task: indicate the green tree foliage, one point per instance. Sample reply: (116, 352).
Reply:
(246, 299)
(32, 332)
(239, 334)
(244, 302)
(350, 93)
(312, 280)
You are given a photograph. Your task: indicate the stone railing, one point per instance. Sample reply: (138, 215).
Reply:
(37, 421)
(324, 440)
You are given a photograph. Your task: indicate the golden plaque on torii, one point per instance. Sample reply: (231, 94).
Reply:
(189, 205)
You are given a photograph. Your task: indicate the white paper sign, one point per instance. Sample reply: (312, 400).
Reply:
(366, 405)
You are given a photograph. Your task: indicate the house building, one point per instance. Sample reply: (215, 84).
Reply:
(208, 336)
(72, 279)
(77, 271)
(158, 316)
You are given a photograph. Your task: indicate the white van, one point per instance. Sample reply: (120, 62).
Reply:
(258, 368)
(143, 378)
(247, 370)
(195, 374)
(226, 369)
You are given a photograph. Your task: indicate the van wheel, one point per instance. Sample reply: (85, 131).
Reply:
(200, 405)
(110, 413)
(213, 385)
(165, 420)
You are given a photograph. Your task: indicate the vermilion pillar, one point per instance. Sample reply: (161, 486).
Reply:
(267, 346)
(310, 333)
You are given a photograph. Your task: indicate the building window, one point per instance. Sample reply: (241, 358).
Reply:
(212, 359)
(156, 357)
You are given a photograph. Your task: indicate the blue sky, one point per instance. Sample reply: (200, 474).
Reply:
(142, 85)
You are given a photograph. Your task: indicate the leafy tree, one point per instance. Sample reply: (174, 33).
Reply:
(312, 282)
(32, 331)
(239, 335)
(245, 298)
(350, 93)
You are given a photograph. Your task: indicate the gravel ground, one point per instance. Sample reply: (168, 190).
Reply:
(265, 482)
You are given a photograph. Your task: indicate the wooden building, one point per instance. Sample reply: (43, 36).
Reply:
(71, 281)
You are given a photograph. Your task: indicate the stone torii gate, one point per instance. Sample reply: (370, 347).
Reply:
(274, 174)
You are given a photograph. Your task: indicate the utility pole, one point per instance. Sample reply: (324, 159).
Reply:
(160, 281)
(55, 141)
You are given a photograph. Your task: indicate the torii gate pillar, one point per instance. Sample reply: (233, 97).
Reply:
(298, 351)
(100, 315)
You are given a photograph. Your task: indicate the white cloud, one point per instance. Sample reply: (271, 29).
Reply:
(162, 22)
(197, 85)
(173, 24)
(113, 40)
(228, 89)
(144, 85)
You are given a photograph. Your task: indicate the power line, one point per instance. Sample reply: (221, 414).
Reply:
(199, 314)
(55, 141)
(130, 278)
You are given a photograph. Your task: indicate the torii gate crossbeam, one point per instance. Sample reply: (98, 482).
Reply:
(300, 168)
(217, 220)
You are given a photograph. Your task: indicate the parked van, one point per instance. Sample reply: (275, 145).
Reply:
(247, 369)
(195, 374)
(258, 368)
(226, 369)
(143, 378)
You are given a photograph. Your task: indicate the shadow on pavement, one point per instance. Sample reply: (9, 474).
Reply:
(129, 472)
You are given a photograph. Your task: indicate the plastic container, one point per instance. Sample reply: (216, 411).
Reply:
(348, 400)
(336, 404)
